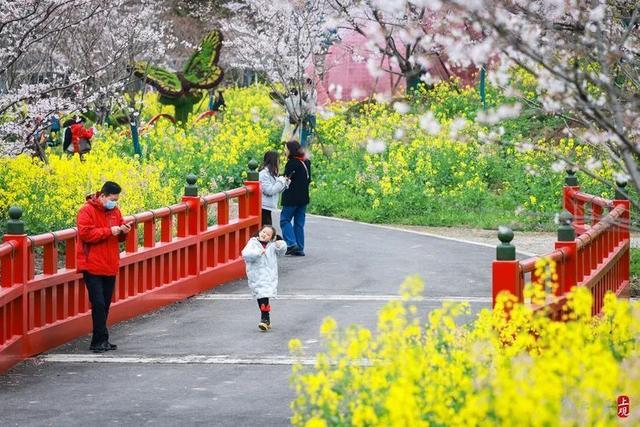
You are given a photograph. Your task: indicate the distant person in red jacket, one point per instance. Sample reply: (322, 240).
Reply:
(100, 229)
(78, 138)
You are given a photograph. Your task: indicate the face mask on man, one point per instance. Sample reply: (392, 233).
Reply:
(110, 204)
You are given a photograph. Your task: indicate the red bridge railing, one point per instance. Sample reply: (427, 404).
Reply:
(170, 254)
(597, 258)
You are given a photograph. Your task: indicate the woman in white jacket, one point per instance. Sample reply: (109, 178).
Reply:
(261, 259)
(272, 185)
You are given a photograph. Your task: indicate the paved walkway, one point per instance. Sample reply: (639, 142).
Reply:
(204, 362)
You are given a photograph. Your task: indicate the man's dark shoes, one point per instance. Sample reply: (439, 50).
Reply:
(102, 347)
(99, 348)
(298, 253)
(291, 250)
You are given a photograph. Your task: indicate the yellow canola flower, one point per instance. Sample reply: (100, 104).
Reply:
(316, 422)
(523, 369)
(216, 150)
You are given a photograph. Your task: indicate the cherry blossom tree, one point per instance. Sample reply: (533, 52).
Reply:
(139, 30)
(132, 31)
(285, 41)
(583, 56)
(402, 31)
(66, 55)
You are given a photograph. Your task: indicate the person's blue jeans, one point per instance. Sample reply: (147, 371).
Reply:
(293, 235)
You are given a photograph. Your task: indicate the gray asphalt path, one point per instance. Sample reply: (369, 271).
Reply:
(204, 362)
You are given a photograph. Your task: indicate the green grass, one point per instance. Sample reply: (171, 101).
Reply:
(635, 272)
(438, 213)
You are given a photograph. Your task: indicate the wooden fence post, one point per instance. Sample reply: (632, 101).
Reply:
(568, 271)
(506, 269)
(575, 208)
(193, 218)
(623, 231)
(253, 182)
(19, 273)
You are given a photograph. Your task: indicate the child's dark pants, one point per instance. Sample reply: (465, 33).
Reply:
(263, 304)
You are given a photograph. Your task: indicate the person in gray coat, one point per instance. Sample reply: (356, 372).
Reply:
(261, 259)
(271, 184)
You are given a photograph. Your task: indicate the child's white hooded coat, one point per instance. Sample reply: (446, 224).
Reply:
(262, 269)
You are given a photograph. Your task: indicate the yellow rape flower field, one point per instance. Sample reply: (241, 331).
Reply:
(51, 194)
(493, 370)
(217, 150)
(507, 174)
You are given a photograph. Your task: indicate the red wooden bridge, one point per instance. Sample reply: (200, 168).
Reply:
(183, 257)
(594, 253)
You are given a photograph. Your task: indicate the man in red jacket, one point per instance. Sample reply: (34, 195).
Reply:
(100, 229)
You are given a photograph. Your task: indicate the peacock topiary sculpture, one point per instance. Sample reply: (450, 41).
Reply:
(184, 89)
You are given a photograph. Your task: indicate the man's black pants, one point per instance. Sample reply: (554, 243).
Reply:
(100, 290)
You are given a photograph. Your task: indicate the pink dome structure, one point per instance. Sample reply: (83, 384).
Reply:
(348, 75)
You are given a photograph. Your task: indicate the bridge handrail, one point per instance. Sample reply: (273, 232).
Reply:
(590, 198)
(597, 258)
(604, 224)
(528, 265)
(159, 265)
(5, 249)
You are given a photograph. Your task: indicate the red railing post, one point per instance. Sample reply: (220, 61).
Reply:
(150, 233)
(223, 211)
(623, 232)
(506, 269)
(70, 262)
(19, 271)
(191, 198)
(17, 237)
(574, 207)
(568, 270)
(194, 222)
(131, 242)
(50, 257)
(166, 228)
(255, 195)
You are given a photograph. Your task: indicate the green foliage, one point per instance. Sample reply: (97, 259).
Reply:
(635, 272)
(202, 70)
(183, 104)
(182, 90)
(635, 262)
(217, 150)
(165, 81)
(448, 178)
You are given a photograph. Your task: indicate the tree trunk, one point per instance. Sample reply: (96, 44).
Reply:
(413, 79)
(135, 136)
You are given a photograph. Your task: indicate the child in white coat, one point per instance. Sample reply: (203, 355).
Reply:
(260, 256)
